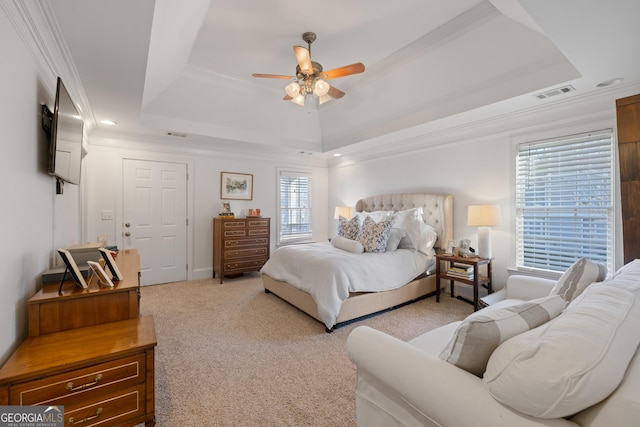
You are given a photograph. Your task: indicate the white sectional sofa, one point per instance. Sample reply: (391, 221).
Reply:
(577, 369)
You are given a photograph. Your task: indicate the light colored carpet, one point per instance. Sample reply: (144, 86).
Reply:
(231, 355)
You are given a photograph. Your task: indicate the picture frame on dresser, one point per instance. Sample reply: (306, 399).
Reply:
(236, 186)
(103, 279)
(110, 263)
(72, 267)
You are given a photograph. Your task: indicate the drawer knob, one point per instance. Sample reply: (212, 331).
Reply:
(70, 386)
(73, 421)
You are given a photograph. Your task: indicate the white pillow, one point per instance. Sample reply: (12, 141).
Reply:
(427, 239)
(395, 235)
(376, 216)
(410, 221)
(571, 362)
(347, 244)
(483, 331)
(577, 277)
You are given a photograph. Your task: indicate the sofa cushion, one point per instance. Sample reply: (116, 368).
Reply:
(571, 362)
(577, 277)
(481, 332)
(620, 408)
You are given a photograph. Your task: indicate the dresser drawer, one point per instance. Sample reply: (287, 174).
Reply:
(240, 266)
(258, 223)
(244, 253)
(231, 225)
(258, 232)
(63, 389)
(108, 409)
(237, 243)
(235, 233)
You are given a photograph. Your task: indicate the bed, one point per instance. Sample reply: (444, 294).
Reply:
(307, 287)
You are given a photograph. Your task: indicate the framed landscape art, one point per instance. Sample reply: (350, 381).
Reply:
(236, 186)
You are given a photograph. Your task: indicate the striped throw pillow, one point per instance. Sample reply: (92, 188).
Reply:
(482, 332)
(577, 277)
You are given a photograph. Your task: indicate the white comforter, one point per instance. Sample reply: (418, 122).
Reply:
(328, 274)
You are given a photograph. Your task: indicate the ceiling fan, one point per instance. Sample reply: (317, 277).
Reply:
(310, 82)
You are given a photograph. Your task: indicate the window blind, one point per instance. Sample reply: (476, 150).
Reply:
(564, 201)
(295, 208)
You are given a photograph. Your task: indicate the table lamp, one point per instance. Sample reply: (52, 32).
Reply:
(343, 211)
(484, 217)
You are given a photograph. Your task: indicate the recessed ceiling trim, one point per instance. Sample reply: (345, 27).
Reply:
(463, 23)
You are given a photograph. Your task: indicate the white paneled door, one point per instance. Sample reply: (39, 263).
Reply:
(155, 218)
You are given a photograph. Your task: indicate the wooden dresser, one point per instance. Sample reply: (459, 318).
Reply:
(88, 351)
(239, 245)
(74, 307)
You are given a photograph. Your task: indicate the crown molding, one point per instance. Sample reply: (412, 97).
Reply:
(36, 25)
(514, 124)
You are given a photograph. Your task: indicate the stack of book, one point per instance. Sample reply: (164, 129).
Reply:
(460, 270)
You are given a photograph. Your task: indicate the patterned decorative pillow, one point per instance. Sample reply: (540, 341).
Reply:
(348, 228)
(374, 236)
(576, 279)
(482, 332)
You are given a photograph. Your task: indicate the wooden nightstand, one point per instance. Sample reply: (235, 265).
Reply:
(476, 281)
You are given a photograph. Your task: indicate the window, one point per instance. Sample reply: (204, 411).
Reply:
(564, 201)
(294, 205)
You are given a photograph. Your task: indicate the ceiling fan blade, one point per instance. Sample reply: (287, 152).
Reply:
(271, 76)
(347, 70)
(335, 93)
(304, 59)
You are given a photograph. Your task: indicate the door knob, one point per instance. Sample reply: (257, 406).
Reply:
(127, 225)
(127, 234)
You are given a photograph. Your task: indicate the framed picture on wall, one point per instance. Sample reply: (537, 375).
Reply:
(236, 186)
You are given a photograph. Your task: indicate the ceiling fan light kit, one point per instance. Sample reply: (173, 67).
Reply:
(310, 87)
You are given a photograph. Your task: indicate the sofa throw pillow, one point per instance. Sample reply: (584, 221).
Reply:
(348, 228)
(374, 236)
(572, 362)
(482, 332)
(347, 244)
(577, 277)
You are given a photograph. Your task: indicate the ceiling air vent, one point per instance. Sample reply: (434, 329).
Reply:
(179, 135)
(554, 92)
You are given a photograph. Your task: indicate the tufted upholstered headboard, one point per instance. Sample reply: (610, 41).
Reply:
(437, 209)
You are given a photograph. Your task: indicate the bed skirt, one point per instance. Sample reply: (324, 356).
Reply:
(358, 304)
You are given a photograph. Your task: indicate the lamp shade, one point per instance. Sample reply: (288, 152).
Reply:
(343, 211)
(484, 215)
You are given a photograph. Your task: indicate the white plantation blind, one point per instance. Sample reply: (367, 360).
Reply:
(294, 204)
(564, 201)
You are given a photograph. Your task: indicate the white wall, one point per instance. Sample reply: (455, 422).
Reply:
(104, 192)
(474, 170)
(33, 218)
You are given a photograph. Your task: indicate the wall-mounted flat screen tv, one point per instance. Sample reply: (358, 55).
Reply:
(65, 152)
